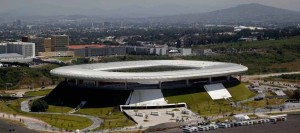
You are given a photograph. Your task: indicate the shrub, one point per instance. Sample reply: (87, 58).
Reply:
(39, 106)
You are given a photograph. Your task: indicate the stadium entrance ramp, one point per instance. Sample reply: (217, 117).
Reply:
(217, 91)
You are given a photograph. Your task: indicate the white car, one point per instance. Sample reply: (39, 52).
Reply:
(190, 129)
(223, 125)
(213, 126)
(203, 128)
(194, 129)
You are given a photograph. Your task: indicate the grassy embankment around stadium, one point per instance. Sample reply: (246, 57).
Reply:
(198, 100)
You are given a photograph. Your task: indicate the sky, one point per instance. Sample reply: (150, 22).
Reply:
(190, 5)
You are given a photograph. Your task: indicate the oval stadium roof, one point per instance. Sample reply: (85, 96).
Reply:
(102, 71)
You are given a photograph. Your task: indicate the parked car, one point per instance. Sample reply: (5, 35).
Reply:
(223, 125)
(213, 126)
(203, 128)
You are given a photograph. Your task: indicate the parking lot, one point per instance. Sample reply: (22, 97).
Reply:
(292, 125)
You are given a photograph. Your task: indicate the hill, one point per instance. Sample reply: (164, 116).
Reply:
(25, 77)
(245, 13)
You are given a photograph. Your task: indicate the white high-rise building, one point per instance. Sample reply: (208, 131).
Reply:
(38, 41)
(23, 48)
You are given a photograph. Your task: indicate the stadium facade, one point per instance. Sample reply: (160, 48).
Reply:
(106, 75)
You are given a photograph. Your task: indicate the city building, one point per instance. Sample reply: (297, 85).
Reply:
(3, 48)
(59, 42)
(39, 43)
(97, 50)
(47, 44)
(23, 48)
(13, 57)
(185, 51)
(137, 50)
(203, 52)
(92, 50)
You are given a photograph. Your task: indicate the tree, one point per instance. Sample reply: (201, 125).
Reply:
(39, 106)
(244, 33)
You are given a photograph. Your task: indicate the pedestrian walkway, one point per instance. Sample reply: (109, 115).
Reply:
(96, 121)
(31, 123)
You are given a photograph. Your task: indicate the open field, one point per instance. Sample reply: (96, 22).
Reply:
(285, 78)
(266, 57)
(290, 66)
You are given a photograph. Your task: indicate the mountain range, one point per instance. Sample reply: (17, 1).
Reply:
(245, 13)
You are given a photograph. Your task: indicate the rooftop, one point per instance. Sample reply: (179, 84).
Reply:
(102, 71)
(86, 46)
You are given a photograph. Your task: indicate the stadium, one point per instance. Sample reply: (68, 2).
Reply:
(146, 79)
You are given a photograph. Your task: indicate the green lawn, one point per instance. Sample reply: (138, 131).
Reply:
(239, 91)
(58, 109)
(38, 93)
(198, 100)
(5, 108)
(264, 103)
(112, 117)
(114, 123)
(64, 121)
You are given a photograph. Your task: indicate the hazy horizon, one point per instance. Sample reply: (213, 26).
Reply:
(145, 7)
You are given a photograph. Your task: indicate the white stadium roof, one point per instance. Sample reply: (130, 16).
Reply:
(100, 71)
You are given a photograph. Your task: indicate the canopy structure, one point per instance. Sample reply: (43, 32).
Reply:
(104, 71)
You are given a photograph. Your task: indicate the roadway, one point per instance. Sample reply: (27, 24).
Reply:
(269, 75)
